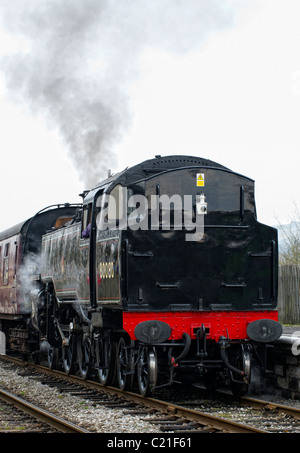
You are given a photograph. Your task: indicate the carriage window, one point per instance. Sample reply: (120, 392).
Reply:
(16, 259)
(5, 264)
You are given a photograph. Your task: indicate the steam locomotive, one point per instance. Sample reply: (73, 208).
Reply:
(162, 275)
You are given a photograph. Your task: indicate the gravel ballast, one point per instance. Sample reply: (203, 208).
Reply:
(80, 411)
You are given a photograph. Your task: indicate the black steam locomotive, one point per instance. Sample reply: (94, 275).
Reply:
(163, 274)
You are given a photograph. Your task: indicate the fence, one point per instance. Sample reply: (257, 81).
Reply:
(289, 294)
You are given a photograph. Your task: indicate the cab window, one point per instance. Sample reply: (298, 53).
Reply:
(86, 221)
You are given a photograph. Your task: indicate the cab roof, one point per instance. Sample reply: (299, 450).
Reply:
(152, 167)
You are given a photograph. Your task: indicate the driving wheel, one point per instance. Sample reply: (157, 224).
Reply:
(147, 370)
(125, 371)
(105, 354)
(68, 354)
(84, 355)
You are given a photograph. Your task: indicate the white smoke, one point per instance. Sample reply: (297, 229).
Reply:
(29, 274)
(82, 56)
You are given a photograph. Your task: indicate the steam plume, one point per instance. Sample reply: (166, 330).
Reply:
(82, 55)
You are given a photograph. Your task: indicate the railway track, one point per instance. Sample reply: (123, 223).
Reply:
(30, 418)
(165, 415)
(14, 420)
(269, 416)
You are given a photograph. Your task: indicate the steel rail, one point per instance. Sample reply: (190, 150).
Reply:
(218, 423)
(52, 420)
(261, 404)
(258, 403)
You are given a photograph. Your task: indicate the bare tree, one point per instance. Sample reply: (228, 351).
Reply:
(290, 245)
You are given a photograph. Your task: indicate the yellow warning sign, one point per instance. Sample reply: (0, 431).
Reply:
(200, 179)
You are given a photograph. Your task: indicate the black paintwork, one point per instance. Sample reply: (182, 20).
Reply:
(234, 267)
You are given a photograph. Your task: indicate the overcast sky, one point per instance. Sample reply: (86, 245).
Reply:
(87, 86)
